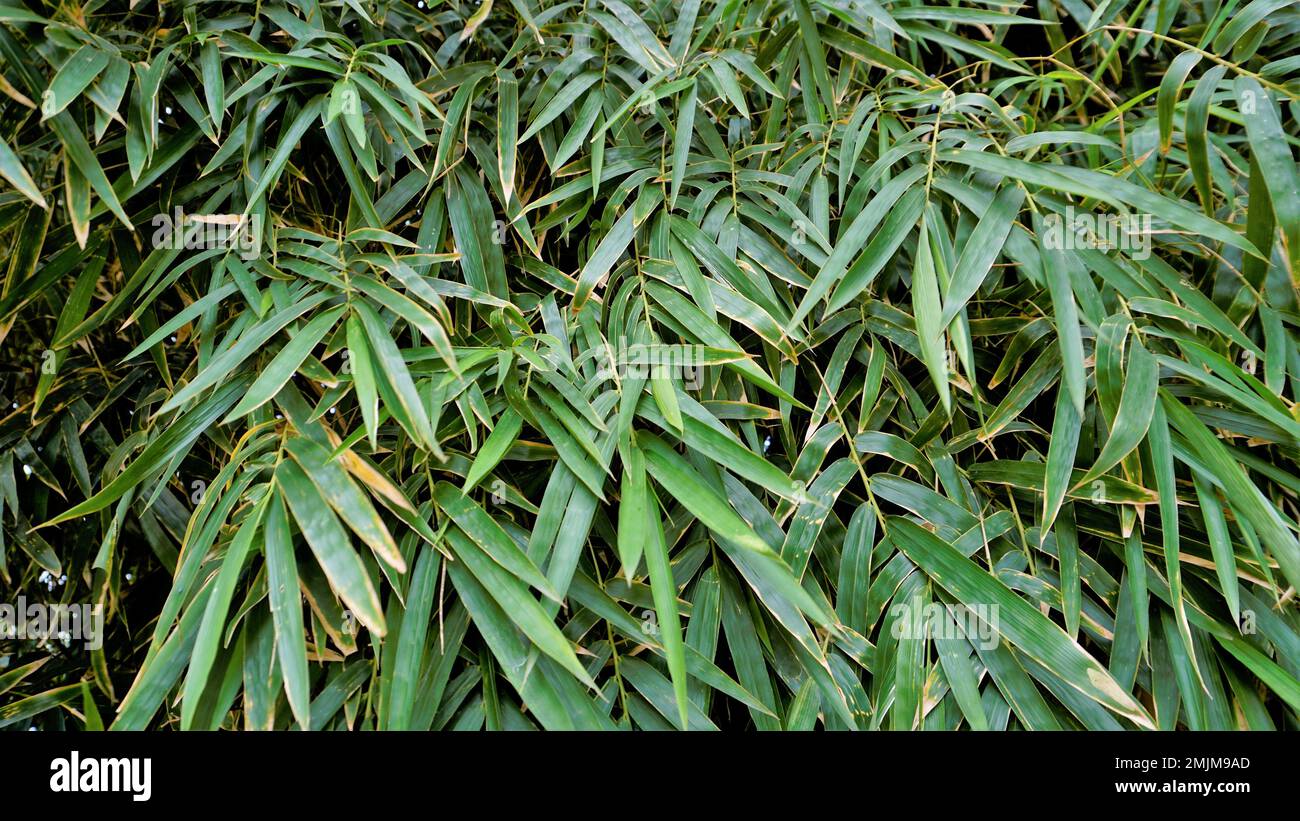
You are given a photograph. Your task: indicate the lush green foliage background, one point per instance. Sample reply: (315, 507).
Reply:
(395, 470)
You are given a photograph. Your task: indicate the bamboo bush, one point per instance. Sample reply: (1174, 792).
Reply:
(646, 364)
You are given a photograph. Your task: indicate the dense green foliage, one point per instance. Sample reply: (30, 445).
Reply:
(645, 363)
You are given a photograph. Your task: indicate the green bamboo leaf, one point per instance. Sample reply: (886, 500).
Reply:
(329, 542)
(1117, 192)
(1244, 496)
(1269, 146)
(410, 642)
(1018, 621)
(682, 142)
(81, 154)
(25, 708)
(633, 511)
(1170, 86)
(926, 311)
(494, 448)
(664, 590)
(1216, 530)
(214, 82)
(214, 615)
(347, 500)
(981, 251)
(602, 259)
(73, 77)
(387, 357)
(491, 539)
(855, 236)
(286, 611)
(507, 131)
(12, 169)
(1066, 313)
(1195, 129)
(361, 364)
(1134, 413)
(282, 368)
(522, 609)
(1060, 459)
(241, 349)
